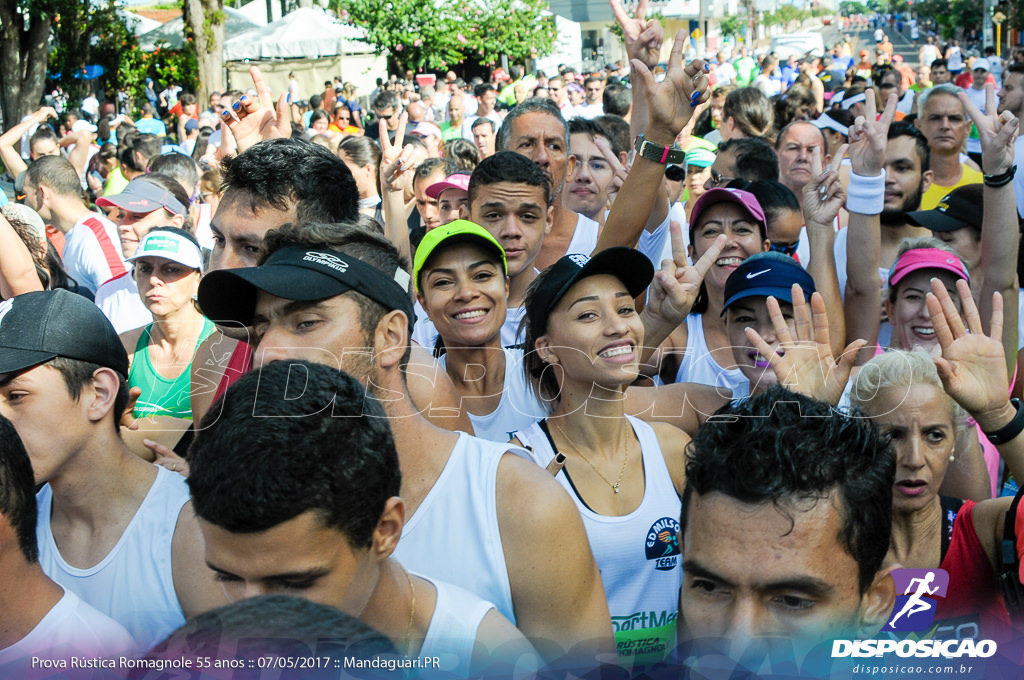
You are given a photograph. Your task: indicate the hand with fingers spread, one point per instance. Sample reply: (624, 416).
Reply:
(972, 365)
(396, 168)
(997, 132)
(868, 137)
(804, 361)
(642, 37)
(824, 194)
(676, 284)
(253, 120)
(672, 102)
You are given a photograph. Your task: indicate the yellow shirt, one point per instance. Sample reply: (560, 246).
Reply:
(936, 192)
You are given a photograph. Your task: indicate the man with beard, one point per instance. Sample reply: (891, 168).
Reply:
(906, 179)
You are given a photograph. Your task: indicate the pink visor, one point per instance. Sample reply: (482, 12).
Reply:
(926, 258)
(458, 180)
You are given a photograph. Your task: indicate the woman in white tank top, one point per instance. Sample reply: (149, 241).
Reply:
(462, 283)
(698, 351)
(584, 338)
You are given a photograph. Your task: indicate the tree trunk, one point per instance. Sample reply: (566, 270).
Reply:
(204, 22)
(23, 56)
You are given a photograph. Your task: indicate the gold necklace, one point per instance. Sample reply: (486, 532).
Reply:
(412, 612)
(625, 445)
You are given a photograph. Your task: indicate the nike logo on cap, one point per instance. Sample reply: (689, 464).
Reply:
(753, 274)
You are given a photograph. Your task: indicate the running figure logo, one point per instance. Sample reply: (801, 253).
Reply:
(915, 608)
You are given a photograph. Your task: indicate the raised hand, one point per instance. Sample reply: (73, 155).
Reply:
(972, 366)
(254, 120)
(396, 169)
(641, 37)
(619, 171)
(868, 137)
(676, 284)
(804, 362)
(672, 102)
(824, 195)
(997, 132)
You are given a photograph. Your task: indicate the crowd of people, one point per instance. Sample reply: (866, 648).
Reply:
(581, 373)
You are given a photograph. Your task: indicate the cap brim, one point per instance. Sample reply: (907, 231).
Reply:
(14, 360)
(133, 204)
(781, 293)
(630, 266)
(228, 296)
(435, 189)
(935, 220)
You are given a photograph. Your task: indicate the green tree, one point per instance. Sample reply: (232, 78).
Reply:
(24, 47)
(204, 30)
(421, 34)
(84, 34)
(732, 26)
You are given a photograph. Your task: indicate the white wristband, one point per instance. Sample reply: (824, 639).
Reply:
(866, 195)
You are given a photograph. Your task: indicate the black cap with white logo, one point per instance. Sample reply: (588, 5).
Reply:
(229, 296)
(36, 327)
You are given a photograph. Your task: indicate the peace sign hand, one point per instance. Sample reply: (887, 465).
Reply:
(868, 136)
(997, 132)
(676, 284)
(619, 171)
(824, 195)
(641, 37)
(396, 169)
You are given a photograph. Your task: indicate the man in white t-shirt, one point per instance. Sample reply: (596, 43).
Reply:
(92, 254)
(40, 619)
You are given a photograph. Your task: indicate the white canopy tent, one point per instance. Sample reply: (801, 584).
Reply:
(310, 43)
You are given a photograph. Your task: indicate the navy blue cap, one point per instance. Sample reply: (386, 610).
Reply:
(767, 274)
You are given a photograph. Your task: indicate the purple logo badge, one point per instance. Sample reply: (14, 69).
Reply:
(916, 593)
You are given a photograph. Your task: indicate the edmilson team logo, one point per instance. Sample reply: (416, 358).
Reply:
(915, 608)
(662, 544)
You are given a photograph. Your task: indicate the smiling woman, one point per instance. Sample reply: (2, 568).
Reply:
(583, 341)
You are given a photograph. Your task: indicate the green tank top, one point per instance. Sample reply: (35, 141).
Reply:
(162, 396)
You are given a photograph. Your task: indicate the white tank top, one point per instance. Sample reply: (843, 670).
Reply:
(698, 366)
(454, 534)
(638, 554)
(519, 405)
(584, 236)
(134, 583)
(451, 635)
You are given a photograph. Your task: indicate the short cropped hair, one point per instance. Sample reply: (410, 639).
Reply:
(266, 455)
(276, 172)
(531, 105)
(509, 166)
(755, 158)
(781, 447)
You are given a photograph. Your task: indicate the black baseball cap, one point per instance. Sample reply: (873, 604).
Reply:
(630, 266)
(767, 274)
(953, 212)
(40, 326)
(228, 296)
